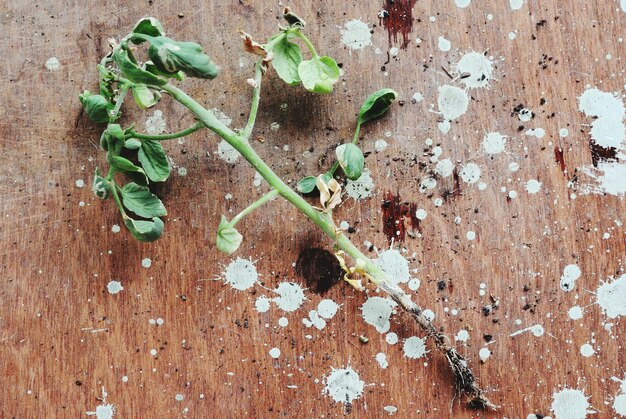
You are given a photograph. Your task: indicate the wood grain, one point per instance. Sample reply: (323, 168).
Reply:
(63, 336)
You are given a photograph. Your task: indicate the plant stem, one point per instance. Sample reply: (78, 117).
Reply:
(162, 137)
(119, 101)
(256, 204)
(256, 96)
(464, 378)
(298, 33)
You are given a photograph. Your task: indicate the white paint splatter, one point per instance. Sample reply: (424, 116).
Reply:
(414, 347)
(563, 132)
(462, 4)
(462, 336)
(80, 183)
(484, 354)
(362, 187)
(533, 186)
(444, 44)
(380, 145)
(587, 350)
(114, 287)
(344, 385)
(53, 64)
(314, 320)
(417, 97)
(155, 124)
(283, 322)
(146, 262)
(221, 116)
(493, 143)
(444, 168)
(394, 265)
(105, 410)
(607, 129)
(611, 297)
(390, 409)
(274, 353)
(356, 35)
(619, 403)
(452, 102)
(470, 173)
(290, 296)
(608, 177)
(376, 311)
(240, 274)
(512, 35)
(536, 132)
(115, 228)
(478, 67)
(516, 4)
(381, 358)
(227, 152)
(421, 214)
(182, 171)
(571, 273)
(537, 330)
(262, 304)
(391, 338)
(570, 404)
(327, 308)
(575, 313)
(525, 115)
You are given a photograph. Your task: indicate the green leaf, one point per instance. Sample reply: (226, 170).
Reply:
(112, 138)
(97, 107)
(307, 184)
(100, 187)
(170, 57)
(319, 74)
(228, 238)
(154, 161)
(126, 166)
(106, 80)
(286, 57)
(351, 160)
(141, 201)
(376, 105)
(132, 144)
(131, 70)
(145, 231)
(149, 65)
(145, 97)
(148, 26)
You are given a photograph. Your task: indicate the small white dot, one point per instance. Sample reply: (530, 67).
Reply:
(274, 353)
(146, 263)
(153, 352)
(471, 235)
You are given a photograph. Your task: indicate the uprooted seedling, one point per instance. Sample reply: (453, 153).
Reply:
(141, 159)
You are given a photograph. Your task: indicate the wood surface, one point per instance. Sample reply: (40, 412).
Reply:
(63, 337)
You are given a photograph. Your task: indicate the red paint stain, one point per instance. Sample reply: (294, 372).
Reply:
(397, 18)
(558, 157)
(394, 213)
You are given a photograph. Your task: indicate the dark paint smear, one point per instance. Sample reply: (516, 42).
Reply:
(319, 268)
(394, 213)
(599, 154)
(558, 156)
(398, 20)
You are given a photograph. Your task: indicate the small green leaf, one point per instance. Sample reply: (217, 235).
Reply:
(148, 26)
(152, 69)
(376, 105)
(351, 160)
(106, 80)
(100, 187)
(132, 144)
(97, 107)
(228, 238)
(170, 57)
(142, 230)
(141, 201)
(126, 166)
(286, 57)
(154, 161)
(145, 97)
(307, 184)
(131, 70)
(319, 74)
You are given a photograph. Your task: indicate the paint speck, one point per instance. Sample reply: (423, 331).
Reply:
(536, 132)
(179, 398)
(479, 68)
(470, 173)
(182, 171)
(53, 64)
(452, 102)
(125, 379)
(421, 214)
(362, 187)
(115, 228)
(146, 263)
(381, 358)
(343, 385)
(429, 314)
(380, 145)
(327, 308)
(153, 352)
(414, 347)
(575, 313)
(525, 115)
(290, 296)
(444, 168)
(394, 265)
(356, 35)
(105, 410)
(493, 143)
(570, 404)
(274, 353)
(114, 287)
(563, 132)
(283, 322)
(262, 304)
(462, 336)
(607, 129)
(444, 44)
(221, 116)
(155, 124)
(484, 354)
(391, 338)
(376, 311)
(571, 273)
(512, 194)
(240, 274)
(611, 297)
(462, 4)
(227, 152)
(587, 350)
(533, 186)
(513, 166)
(512, 35)
(417, 97)
(80, 183)
(390, 409)
(516, 4)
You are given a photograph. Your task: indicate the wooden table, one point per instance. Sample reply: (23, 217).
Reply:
(64, 338)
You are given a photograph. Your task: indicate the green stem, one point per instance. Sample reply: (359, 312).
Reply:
(256, 204)
(117, 198)
(298, 33)
(118, 102)
(256, 96)
(162, 137)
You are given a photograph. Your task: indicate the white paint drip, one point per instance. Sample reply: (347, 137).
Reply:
(537, 330)
(575, 313)
(607, 129)
(240, 274)
(53, 64)
(414, 347)
(290, 296)
(452, 102)
(381, 358)
(571, 273)
(114, 287)
(444, 44)
(444, 168)
(343, 385)
(516, 4)
(533, 186)
(356, 35)
(376, 311)
(105, 410)
(570, 404)
(611, 297)
(262, 304)
(155, 124)
(479, 68)
(587, 350)
(493, 143)
(394, 265)
(327, 308)
(362, 187)
(470, 173)
(227, 152)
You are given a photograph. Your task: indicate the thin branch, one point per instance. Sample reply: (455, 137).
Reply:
(256, 96)
(162, 137)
